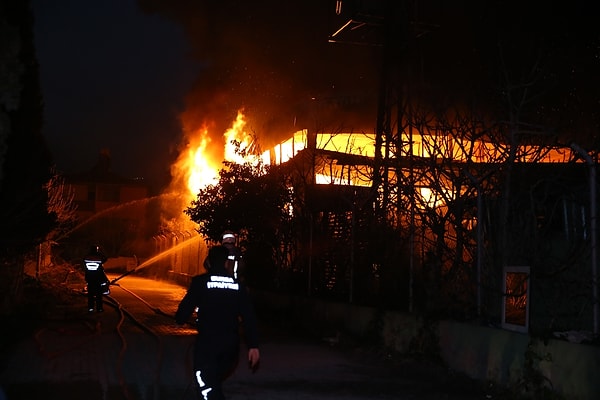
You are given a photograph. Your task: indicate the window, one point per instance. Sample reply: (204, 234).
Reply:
(515, 299)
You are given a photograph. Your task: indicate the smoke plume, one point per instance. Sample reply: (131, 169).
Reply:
(271, 59)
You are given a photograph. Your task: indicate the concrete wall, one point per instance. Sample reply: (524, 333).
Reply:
(484, 353)
(570, 369)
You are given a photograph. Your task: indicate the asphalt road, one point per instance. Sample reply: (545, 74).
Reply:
(77, 355)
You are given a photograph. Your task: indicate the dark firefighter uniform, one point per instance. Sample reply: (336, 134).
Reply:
(95, 278)
(220, 302)
(235, 261)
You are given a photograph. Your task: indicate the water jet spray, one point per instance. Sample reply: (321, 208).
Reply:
(159, 256)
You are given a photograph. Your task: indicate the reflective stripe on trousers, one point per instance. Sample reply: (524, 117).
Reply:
(203, 388)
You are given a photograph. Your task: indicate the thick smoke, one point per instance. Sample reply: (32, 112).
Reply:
(273, 60)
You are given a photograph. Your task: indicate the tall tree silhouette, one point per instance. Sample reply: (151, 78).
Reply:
(25, 162)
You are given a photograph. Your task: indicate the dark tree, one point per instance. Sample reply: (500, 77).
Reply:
(25, 162)
(251, 200)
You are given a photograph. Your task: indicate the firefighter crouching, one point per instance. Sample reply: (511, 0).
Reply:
(95, 277)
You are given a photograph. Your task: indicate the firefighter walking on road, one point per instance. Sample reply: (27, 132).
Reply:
(220, 302)
(95, 277)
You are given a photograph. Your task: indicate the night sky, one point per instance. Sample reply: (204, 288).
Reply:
(118, 74)
(111, 78)
(123, 74)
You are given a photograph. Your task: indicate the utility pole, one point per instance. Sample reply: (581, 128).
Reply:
(387, 24)
(593, 238)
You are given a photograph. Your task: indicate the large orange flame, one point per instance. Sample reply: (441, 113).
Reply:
(202, 169)
(199, 163)
(238, 142)
(195, 168)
